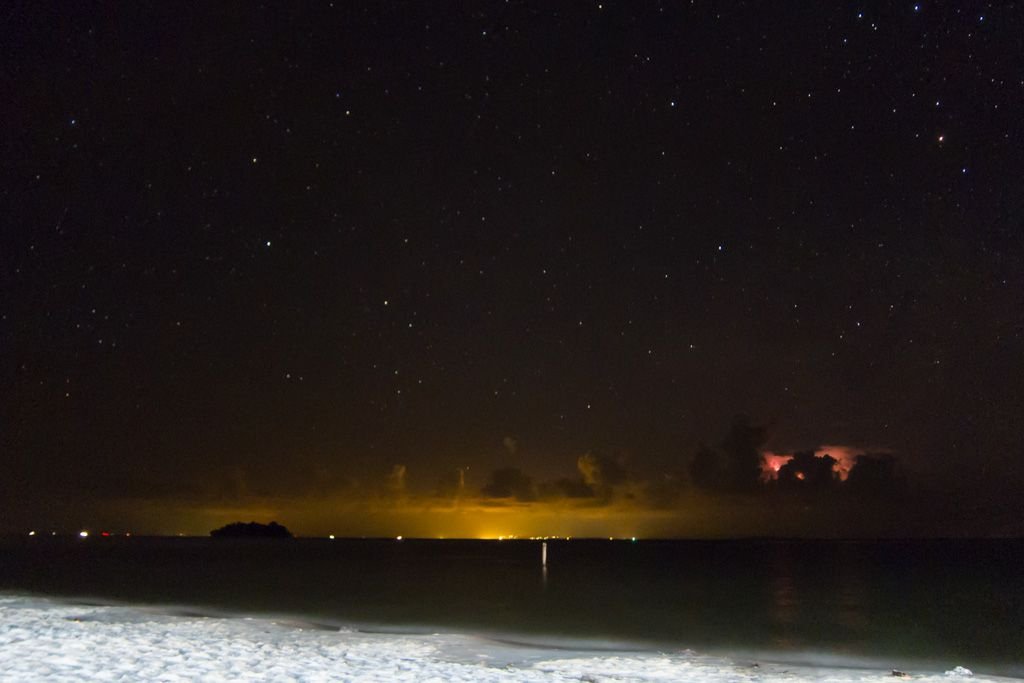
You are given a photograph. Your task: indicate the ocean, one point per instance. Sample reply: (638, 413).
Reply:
(932, 604)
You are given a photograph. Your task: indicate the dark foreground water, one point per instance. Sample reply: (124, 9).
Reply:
(946, 601)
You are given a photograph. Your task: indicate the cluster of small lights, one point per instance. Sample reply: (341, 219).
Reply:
(84, 533)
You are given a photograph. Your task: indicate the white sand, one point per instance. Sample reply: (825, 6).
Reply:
(43, 639)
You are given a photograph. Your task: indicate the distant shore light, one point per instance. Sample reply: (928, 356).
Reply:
(83, 533)
(31, 533)
(331, 537)
(398, 538)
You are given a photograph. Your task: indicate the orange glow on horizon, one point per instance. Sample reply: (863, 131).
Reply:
(429, 517)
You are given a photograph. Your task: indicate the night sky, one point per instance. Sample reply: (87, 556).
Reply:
(513, 268)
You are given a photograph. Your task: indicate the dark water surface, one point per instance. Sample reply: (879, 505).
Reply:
(951, 601)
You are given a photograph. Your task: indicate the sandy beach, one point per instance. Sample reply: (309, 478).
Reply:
(53, 640)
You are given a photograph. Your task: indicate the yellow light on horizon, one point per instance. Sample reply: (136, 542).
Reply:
(398, 538)
(83, 533)
(31, 533)
(331, 537)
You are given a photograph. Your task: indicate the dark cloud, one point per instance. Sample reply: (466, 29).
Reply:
(451, 483)
(510, 482)
(665, 491)
(599, 474)
(566, 487)
(736, 465)
(807, 472)
(875, 475)
(602, 472)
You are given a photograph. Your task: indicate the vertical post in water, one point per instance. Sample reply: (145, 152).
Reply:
(544, 554)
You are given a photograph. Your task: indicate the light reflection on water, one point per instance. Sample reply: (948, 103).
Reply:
(813, 601)
(852, 597)
(785, 604)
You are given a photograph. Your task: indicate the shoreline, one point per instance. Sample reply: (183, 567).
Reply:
(76, 638)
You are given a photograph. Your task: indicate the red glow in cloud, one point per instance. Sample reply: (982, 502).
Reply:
(771, 463)
(845, 457)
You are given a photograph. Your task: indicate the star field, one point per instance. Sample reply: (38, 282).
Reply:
(268, 249)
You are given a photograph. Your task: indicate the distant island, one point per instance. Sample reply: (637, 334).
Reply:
(252, 530)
